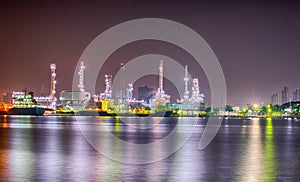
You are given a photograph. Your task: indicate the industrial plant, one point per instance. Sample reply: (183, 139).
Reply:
(82, 102)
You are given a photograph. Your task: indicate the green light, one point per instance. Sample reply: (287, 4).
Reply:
(269, 158)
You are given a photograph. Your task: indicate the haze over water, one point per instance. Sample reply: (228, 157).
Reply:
(55, 148)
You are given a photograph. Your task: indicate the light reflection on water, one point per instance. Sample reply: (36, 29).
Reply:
(53, 148)
(251, 156)
(269, 157)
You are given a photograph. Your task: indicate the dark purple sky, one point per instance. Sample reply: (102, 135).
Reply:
(257, 43)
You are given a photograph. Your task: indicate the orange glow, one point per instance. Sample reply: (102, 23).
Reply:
(4, 107)
(255, 105)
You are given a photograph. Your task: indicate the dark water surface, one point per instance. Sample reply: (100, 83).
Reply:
(81, 149)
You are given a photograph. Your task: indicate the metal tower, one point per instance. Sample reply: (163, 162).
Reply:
(53, 85)
(196, 95)
(160, 98)
(196, 90)
(107, 92)
(122, 92)
(186, 80)
(129, 91)
(161, 77)
(81, 76)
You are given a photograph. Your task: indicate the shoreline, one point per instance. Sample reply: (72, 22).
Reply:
(172, 115)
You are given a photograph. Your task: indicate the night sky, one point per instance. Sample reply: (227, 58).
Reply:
(256, 42)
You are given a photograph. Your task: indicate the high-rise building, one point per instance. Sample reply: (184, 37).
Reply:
(296, 95)
(274, 99)
(285, 95)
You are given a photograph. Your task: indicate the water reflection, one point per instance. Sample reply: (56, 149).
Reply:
(54, 149)
(257, 157)
(4, 122)
(136, 142)
(20, 157)
(4, 150)
(30, 151)
(269, 157)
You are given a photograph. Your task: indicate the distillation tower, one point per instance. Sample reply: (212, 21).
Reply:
(106, 95)
(186, 80)
(129, 95)
(53, 86)
(86, 96)
(81, 76)
(160, 98)
(191, 103)
(161, 77)
(196, 97)
(185, 99)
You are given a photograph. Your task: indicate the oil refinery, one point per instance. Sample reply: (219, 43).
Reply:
(82, 102)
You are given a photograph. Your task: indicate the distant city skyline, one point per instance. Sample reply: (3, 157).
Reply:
(256, 42)
(284, 96)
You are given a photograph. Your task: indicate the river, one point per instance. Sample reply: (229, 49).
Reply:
(79, 148)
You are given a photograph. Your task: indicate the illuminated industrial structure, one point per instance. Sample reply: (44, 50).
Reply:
(160, 98)
(104, 100)
(190, 105)
(186, 94)
(124, 102)
(81, 76)
(87, 95)
(129, 94)
(53, 99)
(73, 98)
(122, 93)
(107, 94)
(161, 77)
(50, 100)
(186, 80)
(196, 96)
